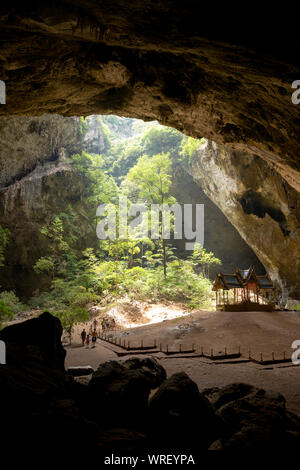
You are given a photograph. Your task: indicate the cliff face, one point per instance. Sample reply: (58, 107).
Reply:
(37, 183)
(220, 236)
(262, 206)
(26, 142)
(25, 207)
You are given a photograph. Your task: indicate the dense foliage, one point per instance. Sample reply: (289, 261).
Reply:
(137, 162)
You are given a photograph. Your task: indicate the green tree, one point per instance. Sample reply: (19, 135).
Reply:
(188, 148)
(61, 234)
(162, 139)
(99, 187)
(153, 178)
(71, 316)
(203, 259)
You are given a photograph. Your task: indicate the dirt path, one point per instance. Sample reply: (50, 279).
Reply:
(264, 332)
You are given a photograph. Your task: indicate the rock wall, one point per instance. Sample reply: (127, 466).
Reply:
(220, 236)
(25, 207)
(37, 183)
(262, 206)
(26, 142)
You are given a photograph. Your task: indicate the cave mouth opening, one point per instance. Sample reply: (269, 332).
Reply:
(108, 146)
(207, 75)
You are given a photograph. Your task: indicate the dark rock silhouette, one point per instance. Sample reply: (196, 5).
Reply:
(42, 333)
(254, 419)
(185, 416)
(44, 406)
(124, 387)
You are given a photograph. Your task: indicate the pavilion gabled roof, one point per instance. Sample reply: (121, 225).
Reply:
(246, 275)
(265, 282)
(226, 281)
(241, 278)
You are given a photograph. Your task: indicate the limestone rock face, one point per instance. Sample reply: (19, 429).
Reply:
(220, 236)
(36, 184)
(262, 206)
(26, 142)
(199, 69)
(25, 207)
(94, 139)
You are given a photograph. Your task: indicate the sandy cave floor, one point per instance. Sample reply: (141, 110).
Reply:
(259, 332)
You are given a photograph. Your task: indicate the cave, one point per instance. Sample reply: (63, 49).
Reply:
(210, 77)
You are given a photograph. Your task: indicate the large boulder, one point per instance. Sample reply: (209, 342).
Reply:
(39, 337)
(220, 396)
(255, 419)
(182, 417)
(40, 398)
(120, 390)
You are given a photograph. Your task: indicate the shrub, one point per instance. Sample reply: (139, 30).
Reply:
(12, 301)
(6, 313)
(64, 294)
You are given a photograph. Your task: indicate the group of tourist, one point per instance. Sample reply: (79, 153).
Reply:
(106, 324)
(85, 337)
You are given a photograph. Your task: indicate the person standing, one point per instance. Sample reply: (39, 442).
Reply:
(83, 336)
(87, 341)
(94, 338)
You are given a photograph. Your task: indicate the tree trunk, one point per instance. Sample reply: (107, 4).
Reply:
(117, 266)
(164, 258)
